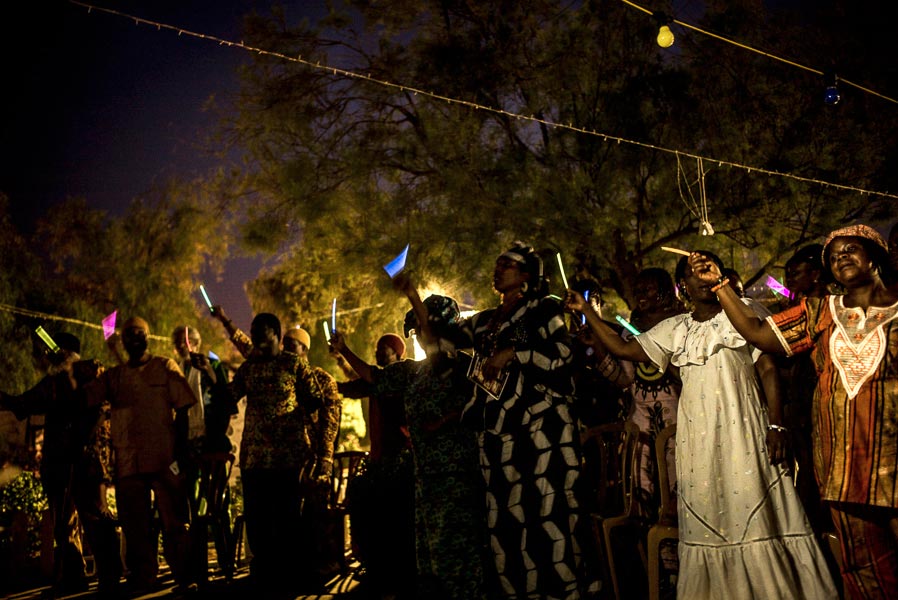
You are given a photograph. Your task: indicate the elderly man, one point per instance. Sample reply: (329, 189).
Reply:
(145, 394)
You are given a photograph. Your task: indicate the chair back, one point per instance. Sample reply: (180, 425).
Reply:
(346, 465)
(609, 468)
(211, 495)
(665, 449)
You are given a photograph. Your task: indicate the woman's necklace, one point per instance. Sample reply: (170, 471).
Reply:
(497, 319)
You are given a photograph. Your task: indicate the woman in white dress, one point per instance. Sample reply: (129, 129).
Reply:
(743, 531)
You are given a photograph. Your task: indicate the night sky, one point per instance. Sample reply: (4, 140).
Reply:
(96, 106)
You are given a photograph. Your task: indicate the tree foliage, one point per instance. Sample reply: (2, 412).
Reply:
(359, 168)
(80, 264)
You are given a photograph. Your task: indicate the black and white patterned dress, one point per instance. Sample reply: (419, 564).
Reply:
(529, 452)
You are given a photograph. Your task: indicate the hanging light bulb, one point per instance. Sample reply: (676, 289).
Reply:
(831, 95)
(665, 37)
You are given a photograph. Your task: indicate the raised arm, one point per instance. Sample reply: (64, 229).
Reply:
(241, 341)
(756, 331)
(403, 283)
(338, 343)
(616, 346)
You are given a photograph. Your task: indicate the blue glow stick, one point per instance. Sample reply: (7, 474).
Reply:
(778, 287)
(627, 325)
(583, 316)
(334, 315)
(206, 297)
(395, 266)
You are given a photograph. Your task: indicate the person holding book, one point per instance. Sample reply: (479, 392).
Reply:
(527, 437)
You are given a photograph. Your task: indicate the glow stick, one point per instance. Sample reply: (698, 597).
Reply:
(334, 315)
(109, 325)
(561, 270)
(206, 297)
(47, 339)
(327, 332)
(395, 266)
(213, 356)
(187, 338)
(778, 287)
(676, 251)
(583, 316)
(627, 325)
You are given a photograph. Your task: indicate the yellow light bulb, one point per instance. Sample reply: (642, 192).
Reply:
(665, 37)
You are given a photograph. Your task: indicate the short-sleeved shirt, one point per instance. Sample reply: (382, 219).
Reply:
(855, 410)
(142, 402)
(280, 392)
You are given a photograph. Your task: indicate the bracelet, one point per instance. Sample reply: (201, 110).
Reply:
(779, 428)
(720, 283)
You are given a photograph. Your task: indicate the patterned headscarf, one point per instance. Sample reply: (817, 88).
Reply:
(861, 231)
(442, 311)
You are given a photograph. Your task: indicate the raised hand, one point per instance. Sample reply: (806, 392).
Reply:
(338, 342)
(704, 268)
(575, 302)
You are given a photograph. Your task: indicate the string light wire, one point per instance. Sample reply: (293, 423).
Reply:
(761, 52)
(337, 71)
(47, 317)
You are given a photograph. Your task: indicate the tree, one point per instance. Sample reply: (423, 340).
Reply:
(358, 166)
(17, 265)
(80, 264)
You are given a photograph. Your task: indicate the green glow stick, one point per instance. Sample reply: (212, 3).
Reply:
(327, 332)
(627, 325)
(561, 270)
(47, 339)
(206, 297)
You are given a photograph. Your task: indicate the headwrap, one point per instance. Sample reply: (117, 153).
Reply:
(530, 261)
(393, 341)
(442, 311)
(300, 334)
(861, 231)
(516, 253)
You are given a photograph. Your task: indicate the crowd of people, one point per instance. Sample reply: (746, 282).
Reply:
(786, 416)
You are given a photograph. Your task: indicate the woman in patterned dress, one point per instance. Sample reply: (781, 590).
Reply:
(529, 453)
(449, 529)
(853, 340)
